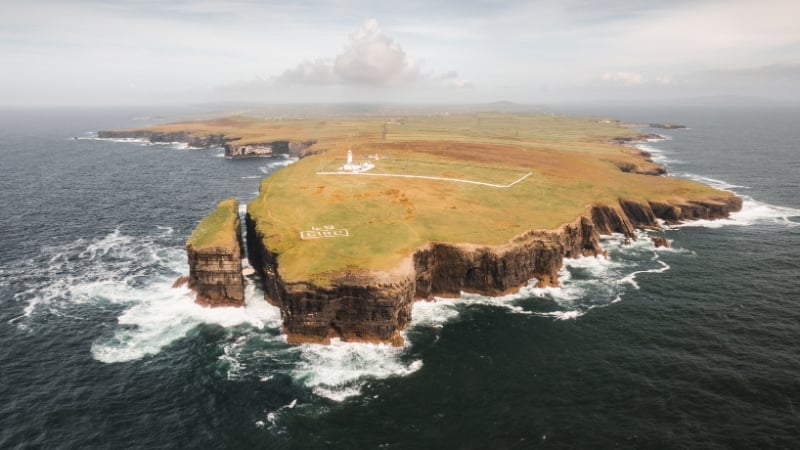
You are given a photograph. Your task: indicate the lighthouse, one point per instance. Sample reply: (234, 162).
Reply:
(350, 166)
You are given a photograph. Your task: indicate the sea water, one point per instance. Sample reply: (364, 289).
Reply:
(691, 346)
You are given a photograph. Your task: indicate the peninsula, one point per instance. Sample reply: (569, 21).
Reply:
(382, 211)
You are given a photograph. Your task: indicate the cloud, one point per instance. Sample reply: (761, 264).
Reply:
(371, 57)
(634, 79)
(318, 71)
(452, 80)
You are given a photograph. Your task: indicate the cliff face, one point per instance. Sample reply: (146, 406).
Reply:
(198, 141)
(216, 275)
(363, 307)
(443, 269)
(233, 149)
(296, 149)
(376, 306)
(215, 258)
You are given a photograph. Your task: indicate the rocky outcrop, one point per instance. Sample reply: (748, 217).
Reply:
(159, 137)
(642, 137)
(660, 241)
(295, 149)
(216, 275)
(233, 149)
(375, 306)
(214, 252)
(666, 126)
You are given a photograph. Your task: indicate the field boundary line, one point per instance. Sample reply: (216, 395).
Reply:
(424, 177)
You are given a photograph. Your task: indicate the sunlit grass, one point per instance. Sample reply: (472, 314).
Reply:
(573, 162)
(218, 229)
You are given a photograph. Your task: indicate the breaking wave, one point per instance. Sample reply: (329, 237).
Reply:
(141, 142)
(586, 283)
(276, 163)
(135, 275)
(753, 211)
(111, 269)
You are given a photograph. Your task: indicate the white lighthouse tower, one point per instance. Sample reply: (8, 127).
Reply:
(355, 167)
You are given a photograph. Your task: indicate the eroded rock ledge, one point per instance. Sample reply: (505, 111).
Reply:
(233, 149)
(159, 137)
(376, 306)
(294, 149)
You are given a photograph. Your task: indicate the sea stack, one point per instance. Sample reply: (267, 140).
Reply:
(214, 251)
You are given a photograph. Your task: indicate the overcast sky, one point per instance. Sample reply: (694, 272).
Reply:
(175, 51)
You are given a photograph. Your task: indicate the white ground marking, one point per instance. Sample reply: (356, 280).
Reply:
(423, 177)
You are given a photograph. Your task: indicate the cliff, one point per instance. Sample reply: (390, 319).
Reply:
(214, 251)
(193, 140)
(295, 149)
(375, 306)
(234, 149)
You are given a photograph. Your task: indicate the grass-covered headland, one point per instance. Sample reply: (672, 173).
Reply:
(322, 224)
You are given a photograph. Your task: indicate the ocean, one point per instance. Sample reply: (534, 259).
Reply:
(695, 346)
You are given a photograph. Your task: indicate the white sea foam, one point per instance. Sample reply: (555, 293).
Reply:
(144, 142)
(336, 371)
(658, 155)
(164, 314)
(104, 268)
(156, 315)
(713, 182)
(111, 269)
(562, 315)
(586, 283)
(139, 141)
(753, 212)
(277, 164)
(341, 369)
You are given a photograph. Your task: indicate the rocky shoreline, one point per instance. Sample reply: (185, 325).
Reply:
(376, 306)
(233, 149)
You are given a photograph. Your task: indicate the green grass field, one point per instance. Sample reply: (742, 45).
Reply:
(572, 161)
(217, 229)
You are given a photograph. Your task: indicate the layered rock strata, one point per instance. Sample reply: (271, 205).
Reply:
(214, 252)
(375, 306)
(233, 149)
(295, 149)
(160, 137)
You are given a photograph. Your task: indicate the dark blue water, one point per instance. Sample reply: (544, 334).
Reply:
(691, 347)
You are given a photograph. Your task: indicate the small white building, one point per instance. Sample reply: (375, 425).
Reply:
(350, 166)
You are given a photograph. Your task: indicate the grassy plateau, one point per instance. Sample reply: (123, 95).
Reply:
(572, 161)
(218, 229)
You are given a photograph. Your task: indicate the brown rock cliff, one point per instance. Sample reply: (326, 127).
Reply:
(375, 306)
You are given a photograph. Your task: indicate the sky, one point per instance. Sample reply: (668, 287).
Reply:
(93, 52)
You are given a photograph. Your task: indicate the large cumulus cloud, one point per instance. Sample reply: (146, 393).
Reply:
(370, 58)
